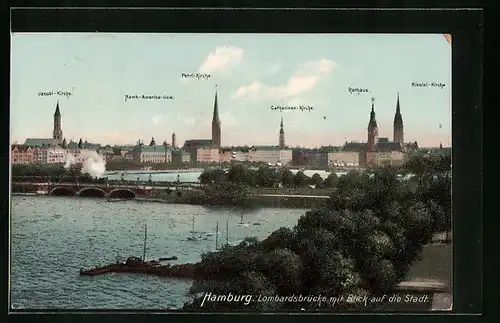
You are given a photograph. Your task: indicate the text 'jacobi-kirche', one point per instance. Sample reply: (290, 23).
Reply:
(51, 93)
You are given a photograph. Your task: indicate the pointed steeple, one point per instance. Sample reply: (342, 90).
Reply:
(373, 121)
(57, 113)
(216, 131)
(281, 143)
(398, 132)
(152, 143)
(398, 119)
(216, 108)
(80, 143)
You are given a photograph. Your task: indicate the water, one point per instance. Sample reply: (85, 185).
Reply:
(53, 237)
(189, 176)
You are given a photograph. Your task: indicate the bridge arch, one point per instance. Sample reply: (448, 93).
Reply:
(62, 191)
(91, 192)
(123, 193)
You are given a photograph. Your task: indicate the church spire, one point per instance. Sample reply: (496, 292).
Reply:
(373, 121)
(216, 108)
(216, 131)
(398, 119)
(57, 113)
(57, 130)
(398, 133)
(282, 136)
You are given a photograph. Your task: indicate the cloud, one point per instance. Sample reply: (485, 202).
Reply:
(223, 59)
(157, 119)
(305, 78)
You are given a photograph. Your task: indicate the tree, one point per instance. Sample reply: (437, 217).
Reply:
(228, 193)
(241, 174)
(287, 177)
(266, 177)
(331, 180)
(300, 179)
(317, 180)
(363, 241)
(215, 176)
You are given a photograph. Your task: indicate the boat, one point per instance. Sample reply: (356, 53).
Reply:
(241, 224)
(217, 237)
(132, 264)
(192, 237)
(167, 258)
(227, 232)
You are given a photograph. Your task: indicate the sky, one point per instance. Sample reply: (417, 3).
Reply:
(253, 72)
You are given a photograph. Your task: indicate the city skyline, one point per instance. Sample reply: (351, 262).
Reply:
(251, 74)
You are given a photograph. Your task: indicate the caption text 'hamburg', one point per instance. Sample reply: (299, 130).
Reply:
(334, 300)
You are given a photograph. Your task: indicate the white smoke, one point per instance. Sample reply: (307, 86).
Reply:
(70, 160)
(93, 163)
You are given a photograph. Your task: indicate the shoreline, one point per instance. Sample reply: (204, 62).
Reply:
(281, 202)
(152, 171)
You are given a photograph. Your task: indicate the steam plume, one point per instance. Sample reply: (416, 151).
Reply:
(93, 163)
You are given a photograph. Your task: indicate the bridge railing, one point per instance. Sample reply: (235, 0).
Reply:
(98, 181)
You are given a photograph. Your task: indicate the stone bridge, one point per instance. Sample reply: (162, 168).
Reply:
(95, 190)
(102, 190)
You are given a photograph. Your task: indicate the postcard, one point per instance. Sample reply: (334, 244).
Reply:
(222, 172)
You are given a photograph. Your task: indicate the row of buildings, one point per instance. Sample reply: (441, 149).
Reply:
(376, 151)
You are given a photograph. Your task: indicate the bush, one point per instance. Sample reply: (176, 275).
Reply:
(363, 240)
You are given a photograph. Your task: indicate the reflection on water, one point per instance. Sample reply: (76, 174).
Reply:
(54, 237)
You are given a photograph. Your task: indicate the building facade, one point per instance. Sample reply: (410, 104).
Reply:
(156, 154)
(225, 155)
(191, 146)
(319, 159)
(56, 155)
(240, 154)
(302, 157)
(270, 155)
(180, 157)
(380, 151)
(208, 155)
(343, 158)
(21, 154)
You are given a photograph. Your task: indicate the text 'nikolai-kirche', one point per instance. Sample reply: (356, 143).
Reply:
(196, 75)
(427, 84)
(51, 93)
(148, 97)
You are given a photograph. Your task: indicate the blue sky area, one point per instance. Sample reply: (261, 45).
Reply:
(253, 72)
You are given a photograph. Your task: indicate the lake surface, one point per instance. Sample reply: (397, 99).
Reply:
(54, 237)
(157, 176)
